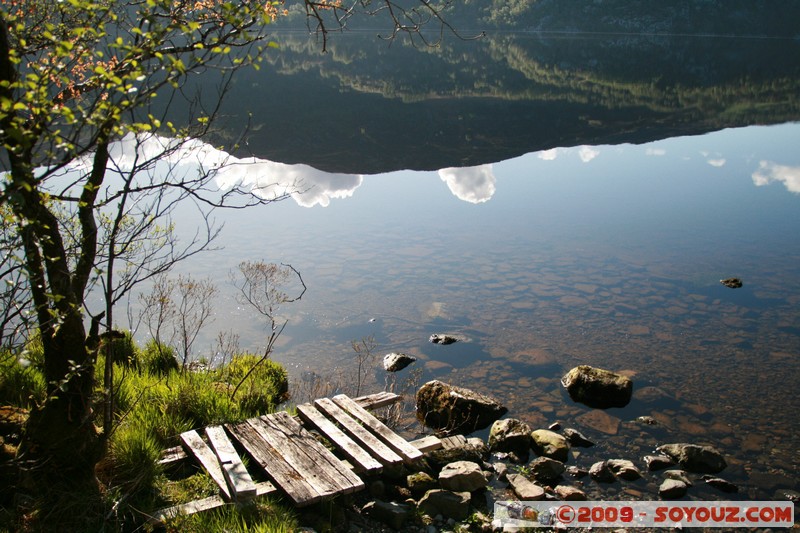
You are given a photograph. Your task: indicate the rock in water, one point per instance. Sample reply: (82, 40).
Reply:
(453, 410)
(441, 338)
(510, 435)
(547, 443)
(598, 388)
(695, 458)
(732, 283)
(450, 504)
(576, 438)
(395, 362)
(672, 489)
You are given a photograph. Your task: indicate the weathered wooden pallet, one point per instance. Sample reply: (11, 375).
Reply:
(298, 464)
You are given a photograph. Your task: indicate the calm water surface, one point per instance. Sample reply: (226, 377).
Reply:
(602, 255)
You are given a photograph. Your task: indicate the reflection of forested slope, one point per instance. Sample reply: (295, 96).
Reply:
(477, 101)
(686, 17)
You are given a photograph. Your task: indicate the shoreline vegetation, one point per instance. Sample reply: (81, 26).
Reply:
(156, 400)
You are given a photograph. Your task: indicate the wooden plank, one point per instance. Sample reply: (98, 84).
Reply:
(456, 441)
(313, 472)
(196, 506)
(239, 480)
(205, 504)
(362, 460)
(172, 455)
(272, 462)
(320, 456)
(372, 444)
(207, 458)
(427, 444)
(395, 441)
(377, 400)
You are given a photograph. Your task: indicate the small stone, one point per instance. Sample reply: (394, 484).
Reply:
(671, 489)
(678, 475)
(601, 472)
(525, 489)
(546, 469)
(624, 469)
(721, 484)
(420, 482)
(647, 420)
(394, 362)
(501, 470)
(451, 504)
(462, 476)
(576, 438)
(787, 495)
(547, 443)
(570, 494)
(392, 514)
(658, 462)
(575, 471)
(555, 426)
(695, 458)
(441, 338)
(510, 435)
(732, 283)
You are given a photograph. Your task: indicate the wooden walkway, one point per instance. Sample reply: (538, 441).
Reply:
(297, 464)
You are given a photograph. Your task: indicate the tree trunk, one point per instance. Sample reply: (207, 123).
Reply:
(61, 443)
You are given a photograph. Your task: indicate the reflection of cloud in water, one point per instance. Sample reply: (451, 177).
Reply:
(266, 179)
(717, 162)
(548, 155)
(587, 153)
(655, 151)
(768, 172)
(471, 184)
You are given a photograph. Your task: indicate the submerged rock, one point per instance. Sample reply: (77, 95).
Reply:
(695, 458)
(721, 484)
(394, 362)
(452, 409)
(597, 387)
(732, 283)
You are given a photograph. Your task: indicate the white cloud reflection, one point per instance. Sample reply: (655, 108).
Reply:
(182, 158)
(548, 155)
(768, 172)
(471, 184)
(587, 153)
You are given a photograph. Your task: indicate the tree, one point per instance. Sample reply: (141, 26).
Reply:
(84, 85)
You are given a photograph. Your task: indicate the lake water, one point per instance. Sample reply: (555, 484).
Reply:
(551, 253)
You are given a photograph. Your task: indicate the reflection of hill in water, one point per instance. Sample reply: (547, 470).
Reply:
(365, 107)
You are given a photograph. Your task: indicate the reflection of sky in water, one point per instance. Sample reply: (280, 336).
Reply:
(607, 255)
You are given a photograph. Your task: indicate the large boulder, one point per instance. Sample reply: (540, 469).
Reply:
(546, 443)
(695, 458)
(510, 435)
(462, 476)
(451, 410)
(598, 388)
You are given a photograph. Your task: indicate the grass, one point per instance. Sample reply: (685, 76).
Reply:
(155, 402)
